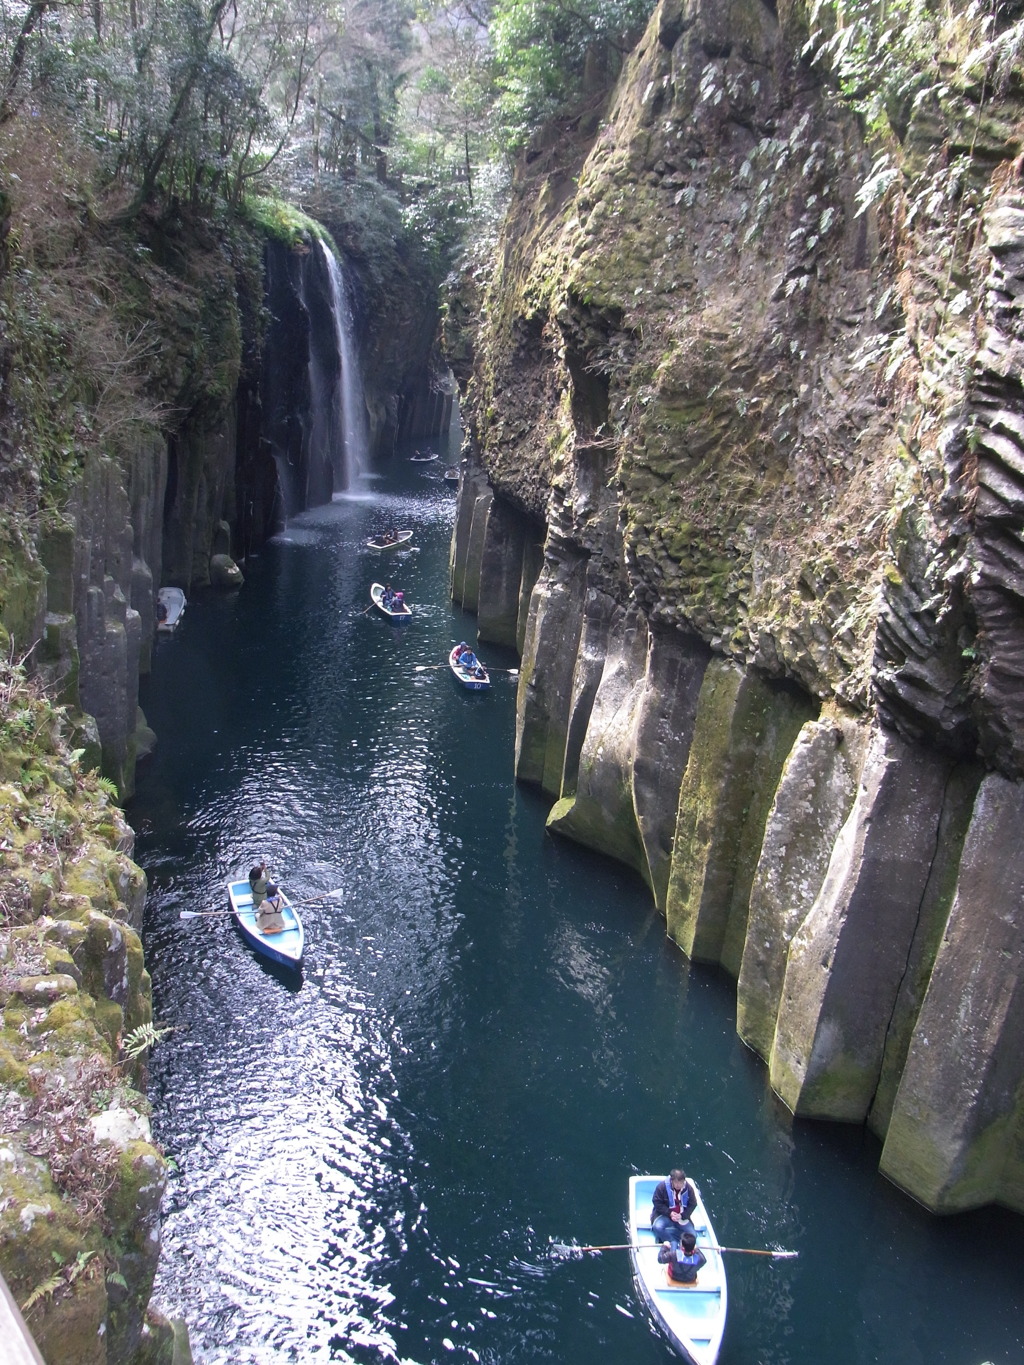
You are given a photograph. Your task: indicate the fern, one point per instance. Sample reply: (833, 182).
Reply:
(134, 1044)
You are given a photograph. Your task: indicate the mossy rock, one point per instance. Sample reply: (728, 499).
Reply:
(13, 1070)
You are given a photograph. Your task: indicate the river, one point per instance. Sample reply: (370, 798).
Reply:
(490, 1033)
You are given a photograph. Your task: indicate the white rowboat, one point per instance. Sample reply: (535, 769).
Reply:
(380, 543)
(397, 616)
(170, 603)
(691, 1316)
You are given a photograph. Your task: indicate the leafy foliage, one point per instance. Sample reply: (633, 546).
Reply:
(545, 51)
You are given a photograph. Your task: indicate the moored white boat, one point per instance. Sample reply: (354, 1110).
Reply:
(398, 616)
(383, 543)
(691, 1316)
(475, 679)
(286, 945)
(170, 603)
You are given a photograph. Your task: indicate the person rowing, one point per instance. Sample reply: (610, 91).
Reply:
(683, 1258)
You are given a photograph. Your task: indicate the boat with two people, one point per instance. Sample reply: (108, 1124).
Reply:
(468, 669)
(389, 540)
(278, 936)
(391, 604)
(692, 1316)
(423, 457)
(170, 604)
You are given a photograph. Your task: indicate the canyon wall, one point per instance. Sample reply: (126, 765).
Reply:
(744, 487)
(220, 418)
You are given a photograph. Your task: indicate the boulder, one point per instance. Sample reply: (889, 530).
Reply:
(224, 572)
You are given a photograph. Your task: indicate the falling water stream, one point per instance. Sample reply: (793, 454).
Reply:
(490, 1033)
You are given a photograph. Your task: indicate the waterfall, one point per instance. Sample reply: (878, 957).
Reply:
(347, 417)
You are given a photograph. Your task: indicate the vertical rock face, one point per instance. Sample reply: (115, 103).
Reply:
(954, 1139)
(774, 642)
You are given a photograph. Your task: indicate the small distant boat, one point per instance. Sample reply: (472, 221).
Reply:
(170, 603)
(422, 457)
(285, 945)
(397, 615)
(451, 474)
(691, 1316)
(476, 680)
(383, 543)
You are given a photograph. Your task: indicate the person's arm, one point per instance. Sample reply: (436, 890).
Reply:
(664, 1255)
(703, 1259)
(660, 1201)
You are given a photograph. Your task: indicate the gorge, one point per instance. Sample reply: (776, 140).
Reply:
(742, 490)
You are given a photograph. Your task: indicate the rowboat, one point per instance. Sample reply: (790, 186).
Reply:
(379, 542)
(692, 1317)
(451, 474)
(397, 616)
(284, 946)
(170, 603)
(477, 680)
(420, 458)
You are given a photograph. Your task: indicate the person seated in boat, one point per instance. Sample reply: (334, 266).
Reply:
(398, 602)
(389, 537)
(468, 660)
(270, 915)
(161, 611)
(258, 884)
(387, 596)
(674, 1204)
(683, 1258)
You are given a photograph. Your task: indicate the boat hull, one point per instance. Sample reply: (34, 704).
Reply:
(693, 1319)
(397, 618)
(466, 679)
(286, 947)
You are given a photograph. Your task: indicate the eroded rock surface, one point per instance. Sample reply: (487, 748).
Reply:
(774, 449)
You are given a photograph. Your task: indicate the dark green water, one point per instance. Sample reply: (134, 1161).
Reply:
(490, 1034)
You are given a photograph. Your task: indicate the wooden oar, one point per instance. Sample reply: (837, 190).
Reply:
(561, 1249)
(211, 914)
(422, 668)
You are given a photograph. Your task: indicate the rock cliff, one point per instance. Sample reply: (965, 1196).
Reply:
(164, 405)
(745, 489)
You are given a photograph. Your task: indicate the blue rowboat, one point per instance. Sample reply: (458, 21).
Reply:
(284, 946)
(398, 616)
(692, 1317)
(477, 680)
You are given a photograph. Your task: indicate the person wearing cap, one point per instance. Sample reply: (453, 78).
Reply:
(674, 1204)
(683, 1259)
(269, 916)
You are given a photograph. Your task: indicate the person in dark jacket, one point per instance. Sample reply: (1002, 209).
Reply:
(675, 1202)
(683, 1259)
(258, 884)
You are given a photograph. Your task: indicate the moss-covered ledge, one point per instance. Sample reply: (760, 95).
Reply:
(80, 1178)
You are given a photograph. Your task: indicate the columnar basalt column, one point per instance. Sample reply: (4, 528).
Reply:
(818, 786)
(548, 668)
(956, 1137)
(744, 730)
(597, 808)
(847, 961)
